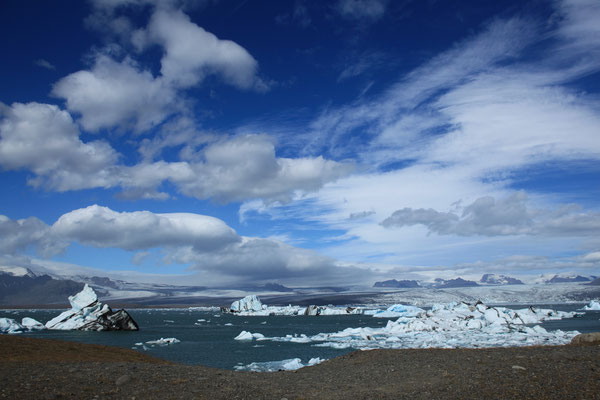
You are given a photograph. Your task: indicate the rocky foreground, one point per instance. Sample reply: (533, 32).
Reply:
(49, 369)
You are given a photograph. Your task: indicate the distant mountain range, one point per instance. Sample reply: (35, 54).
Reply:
(29, 288)
(392, 283)
(493, 279)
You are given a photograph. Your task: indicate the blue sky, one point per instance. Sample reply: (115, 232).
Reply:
(224, 142)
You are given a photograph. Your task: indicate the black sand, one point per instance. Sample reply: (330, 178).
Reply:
(49, 369)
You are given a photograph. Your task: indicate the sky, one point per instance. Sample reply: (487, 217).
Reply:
(232, 142)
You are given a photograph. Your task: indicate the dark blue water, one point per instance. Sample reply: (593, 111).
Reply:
(211, 342)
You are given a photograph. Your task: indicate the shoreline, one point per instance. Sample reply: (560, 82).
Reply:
(53, 369)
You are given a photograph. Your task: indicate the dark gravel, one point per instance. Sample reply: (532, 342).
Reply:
(48, 369)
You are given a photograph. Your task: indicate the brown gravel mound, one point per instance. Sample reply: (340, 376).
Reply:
(49, 369)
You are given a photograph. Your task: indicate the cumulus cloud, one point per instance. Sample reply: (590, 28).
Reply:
(20, 235)
(204, 243)
(45, 140)
(102, 227)
(487, 216)
(191, 53)
(119, 94)
(246, 167)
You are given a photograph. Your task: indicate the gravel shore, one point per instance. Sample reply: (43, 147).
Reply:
(51, 369)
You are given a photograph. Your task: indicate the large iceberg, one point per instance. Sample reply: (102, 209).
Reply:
(449, 326)
(252, 306)
(88, 314)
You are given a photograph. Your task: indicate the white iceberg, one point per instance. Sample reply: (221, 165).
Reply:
(32, 324)
(283, 365)
(244, 335)
(88, 314)
(593, 306)
(449, 326)
(248, 303)
(252, 306)
(398, 310)
(163, 341)
(9, 325)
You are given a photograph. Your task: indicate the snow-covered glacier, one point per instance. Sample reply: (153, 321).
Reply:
(447, 326)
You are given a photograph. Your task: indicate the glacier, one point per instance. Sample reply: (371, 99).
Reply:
(448, 326)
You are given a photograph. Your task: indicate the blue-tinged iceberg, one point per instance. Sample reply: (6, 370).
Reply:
(593, 306)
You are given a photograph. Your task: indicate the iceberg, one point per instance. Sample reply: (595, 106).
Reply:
(252, 306)
(163, 341)
(88, 314)
(248, 303)
(449, 326)
(244, 335)
(9, 325)
(32, 325)
(283, 365)
(398, 310)
(593, 306)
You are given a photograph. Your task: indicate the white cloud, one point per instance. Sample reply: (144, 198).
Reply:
(141, 230)
(117, 94)
(45, 140)
(205, 243)
(19, 235)
(44, 64)
(246, 167)
(487, 216)
(191, 53)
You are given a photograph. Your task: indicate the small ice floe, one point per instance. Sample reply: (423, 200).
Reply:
(169, 321)
(163, 341)
(228, 324)
(244, 335)
(201, 320)
(283, 365)
(593, 306)
(449, 326)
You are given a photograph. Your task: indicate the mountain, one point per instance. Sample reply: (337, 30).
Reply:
(493, 279)
(565, 279)
(20, 286)
(392, 283)
(595, 282)
(276, 287)
(453, 283)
